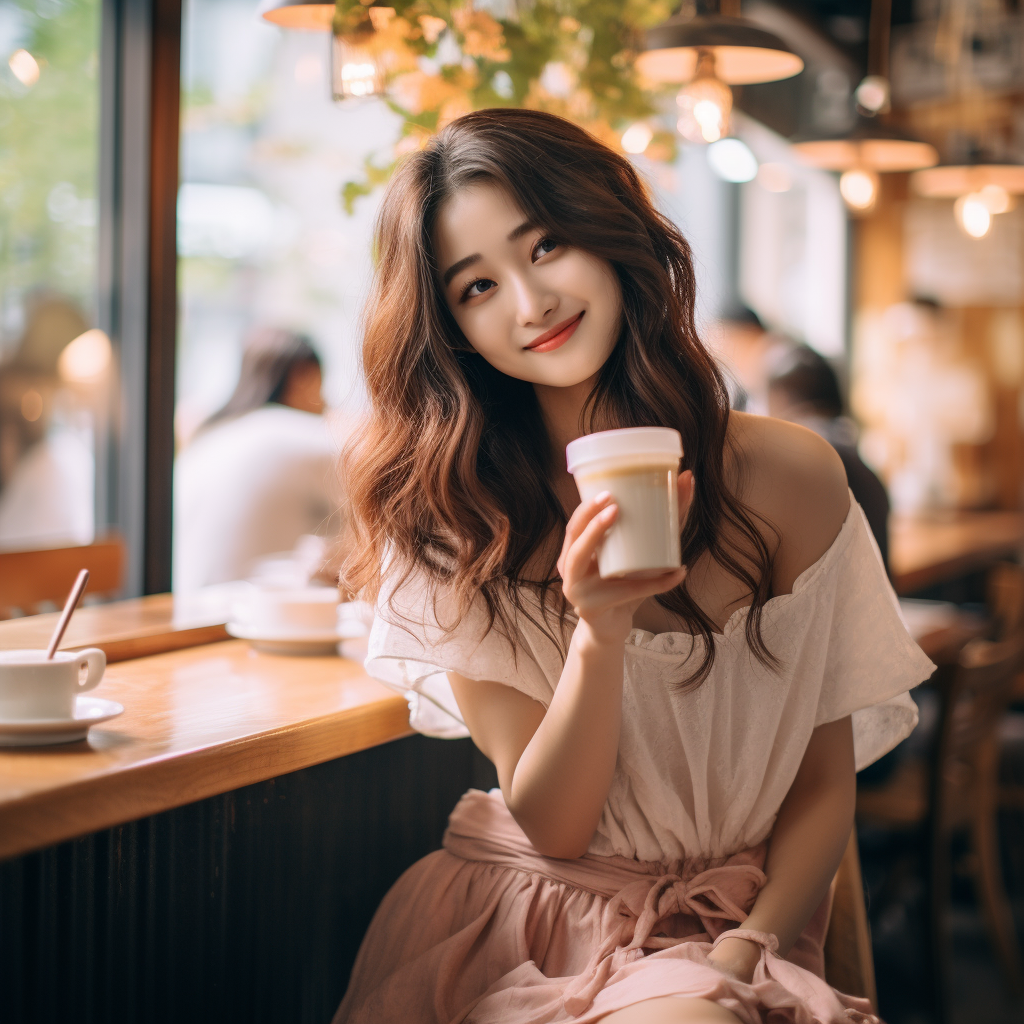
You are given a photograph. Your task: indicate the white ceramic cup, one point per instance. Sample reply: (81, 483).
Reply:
(640, 467)
(31, 687)
(290, 610)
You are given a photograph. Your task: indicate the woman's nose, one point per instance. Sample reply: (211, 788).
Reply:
(533, 303)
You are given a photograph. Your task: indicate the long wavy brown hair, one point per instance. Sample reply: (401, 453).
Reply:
(450, 473)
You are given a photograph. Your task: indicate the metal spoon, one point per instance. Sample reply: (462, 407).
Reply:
(65, 616)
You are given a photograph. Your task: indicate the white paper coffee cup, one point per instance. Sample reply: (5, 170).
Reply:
(639, 466)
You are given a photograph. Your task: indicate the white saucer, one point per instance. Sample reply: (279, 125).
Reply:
(32, 732)
(288, 642)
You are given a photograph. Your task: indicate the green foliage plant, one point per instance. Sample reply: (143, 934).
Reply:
(444, 58)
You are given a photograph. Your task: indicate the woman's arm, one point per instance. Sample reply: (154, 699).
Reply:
(555, 767)
(800, 484)
(805, 849)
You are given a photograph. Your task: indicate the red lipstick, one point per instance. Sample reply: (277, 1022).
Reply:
(557, 336)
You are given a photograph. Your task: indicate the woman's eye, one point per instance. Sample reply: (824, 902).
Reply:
(478, 287)
(543, 247)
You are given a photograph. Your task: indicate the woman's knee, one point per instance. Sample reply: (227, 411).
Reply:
(672, 1010)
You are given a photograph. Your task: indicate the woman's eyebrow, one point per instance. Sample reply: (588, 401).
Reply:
(466, 261)
(527, 225)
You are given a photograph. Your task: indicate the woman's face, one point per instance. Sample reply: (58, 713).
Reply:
(542, 312)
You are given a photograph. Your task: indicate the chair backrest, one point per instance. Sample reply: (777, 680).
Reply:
(1004, 599)
(30, 578)
(977, 692)
(849, 965)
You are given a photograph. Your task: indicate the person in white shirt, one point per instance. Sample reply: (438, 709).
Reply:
(260, 473)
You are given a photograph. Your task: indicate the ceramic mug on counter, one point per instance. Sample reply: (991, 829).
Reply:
(32, 687)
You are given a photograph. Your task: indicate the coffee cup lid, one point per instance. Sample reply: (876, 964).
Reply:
(662, 442)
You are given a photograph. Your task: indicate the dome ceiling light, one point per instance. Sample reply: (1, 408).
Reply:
(743, 52)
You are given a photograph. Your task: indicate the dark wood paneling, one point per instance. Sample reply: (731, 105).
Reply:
(244, 907)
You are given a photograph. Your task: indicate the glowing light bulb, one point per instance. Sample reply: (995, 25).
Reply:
(973, 215)
(355, 71)
(637, 137)
(705, 103)
(24, 67)
(872, 95)
(859, 189)
(85, 359)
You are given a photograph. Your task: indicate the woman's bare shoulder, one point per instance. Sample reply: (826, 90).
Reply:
(795, 480)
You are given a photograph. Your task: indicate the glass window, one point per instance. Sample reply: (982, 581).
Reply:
(55, 365)
(266, 251)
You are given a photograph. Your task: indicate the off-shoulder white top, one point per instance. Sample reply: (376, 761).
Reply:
(702, 772)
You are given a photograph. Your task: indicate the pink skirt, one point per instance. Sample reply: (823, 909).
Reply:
(487, 931)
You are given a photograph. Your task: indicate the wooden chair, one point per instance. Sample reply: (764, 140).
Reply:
(30, 578)
(849, 965)
(957, 791)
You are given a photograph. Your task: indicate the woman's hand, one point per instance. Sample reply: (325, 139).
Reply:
(606, 607)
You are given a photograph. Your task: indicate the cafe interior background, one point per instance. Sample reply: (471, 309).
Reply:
(176, 177)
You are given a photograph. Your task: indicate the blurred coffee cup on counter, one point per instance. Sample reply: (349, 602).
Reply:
(289, 611)
(639, 466)
(33, 687)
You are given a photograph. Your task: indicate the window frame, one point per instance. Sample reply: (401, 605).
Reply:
(140, 58)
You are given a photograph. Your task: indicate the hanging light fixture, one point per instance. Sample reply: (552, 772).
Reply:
(358, 62)
(705, 103)
(984, 184)
(743, 52)
(980, 191)
(297, 14)
(708, 52)
(871, 148)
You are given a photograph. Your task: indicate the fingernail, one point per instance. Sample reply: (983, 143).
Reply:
(601, 498)
(608, 512)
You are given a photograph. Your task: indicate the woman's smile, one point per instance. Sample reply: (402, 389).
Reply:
(557, 336)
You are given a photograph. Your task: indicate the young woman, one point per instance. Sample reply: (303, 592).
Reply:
(676, 755)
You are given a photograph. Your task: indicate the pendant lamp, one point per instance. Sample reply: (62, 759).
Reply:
(358, 65)
(298, 14)
(980, 191)
(742, 51)
(871, 148)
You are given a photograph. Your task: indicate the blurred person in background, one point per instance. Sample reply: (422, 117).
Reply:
(257, 476)
(803, 388)
(742, 343)
(47, 427)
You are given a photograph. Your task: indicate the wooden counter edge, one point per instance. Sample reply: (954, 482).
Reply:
(142, 646)
(53, 817)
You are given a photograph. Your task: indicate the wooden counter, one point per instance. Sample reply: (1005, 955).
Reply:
(924, 551)
(197, 722)
(124, 629)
